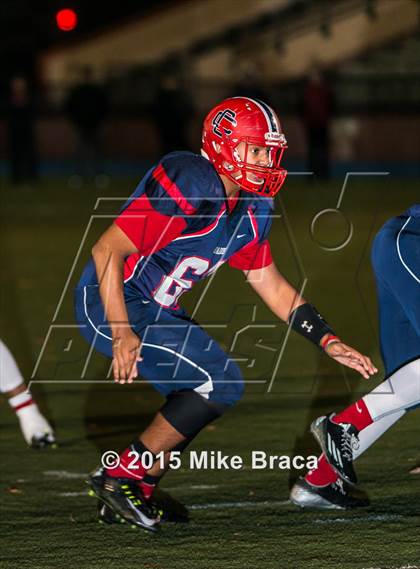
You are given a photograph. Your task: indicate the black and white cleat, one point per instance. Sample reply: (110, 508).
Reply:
(338, 441)
(335, 496)
(168, 511)
(124, 497)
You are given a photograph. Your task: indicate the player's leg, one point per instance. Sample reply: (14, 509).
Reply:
(396, 258)
(198, 391)
(396, 261)
(339, 434)
(36, 430)
(183, 363)
(196, 376)
(120, 499)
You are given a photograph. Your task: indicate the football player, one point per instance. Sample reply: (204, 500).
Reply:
(36, 430)
(344, 436)
(189, 215)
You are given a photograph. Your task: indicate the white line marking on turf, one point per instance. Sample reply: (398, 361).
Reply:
(372, 518)
(65, 474)
(72, 494)
(193, 487)
(403, 567)
(217, 505)
(201, 487)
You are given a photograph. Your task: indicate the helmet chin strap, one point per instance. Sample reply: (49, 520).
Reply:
(260, 183)
(238, 176)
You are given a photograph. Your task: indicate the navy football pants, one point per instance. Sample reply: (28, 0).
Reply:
(177, 353)
(396, 262)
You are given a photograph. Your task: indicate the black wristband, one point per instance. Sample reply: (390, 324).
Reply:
(307, 321)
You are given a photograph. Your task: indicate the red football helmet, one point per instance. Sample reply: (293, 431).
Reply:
(241, 119)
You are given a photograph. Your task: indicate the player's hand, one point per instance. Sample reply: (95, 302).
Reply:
(351, 358)
(126, 346)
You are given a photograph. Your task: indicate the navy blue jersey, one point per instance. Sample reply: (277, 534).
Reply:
(396, 262)
(179, 220)
(414, 210)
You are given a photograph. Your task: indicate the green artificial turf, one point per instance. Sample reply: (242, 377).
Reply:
(239, 518)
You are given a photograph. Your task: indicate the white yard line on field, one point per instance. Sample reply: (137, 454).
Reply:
(403, 567)
(71, 494)
(216, 505)
(64, 474)
(369, 518)
(193, 487)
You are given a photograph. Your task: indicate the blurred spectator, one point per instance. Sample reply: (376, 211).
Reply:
(20, 131)
(172, 111)
(87, 107)
(344, 133)
(317, 109)
(249, 85)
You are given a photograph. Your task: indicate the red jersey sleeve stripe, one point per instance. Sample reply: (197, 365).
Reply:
(256, 257)
(148, 229)
(172, 190)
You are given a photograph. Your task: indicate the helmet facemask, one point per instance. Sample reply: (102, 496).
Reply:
(264, 180)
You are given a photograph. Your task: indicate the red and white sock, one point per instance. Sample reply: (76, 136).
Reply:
(32, 423)
(19, 402)
(130, 464)
(357, 414)
(398, 393)
(323, 474)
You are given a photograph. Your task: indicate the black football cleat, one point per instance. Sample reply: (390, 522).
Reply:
(108, 516)
(168, 511)
(336, 496)
(124, 497)
(43, 440)
(337, 441)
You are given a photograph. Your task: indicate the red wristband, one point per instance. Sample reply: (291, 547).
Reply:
(328, 340)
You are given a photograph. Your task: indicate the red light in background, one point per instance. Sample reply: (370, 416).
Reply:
(66, 20)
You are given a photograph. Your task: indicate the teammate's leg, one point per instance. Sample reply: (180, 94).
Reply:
(396, 261)
(36, 430)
